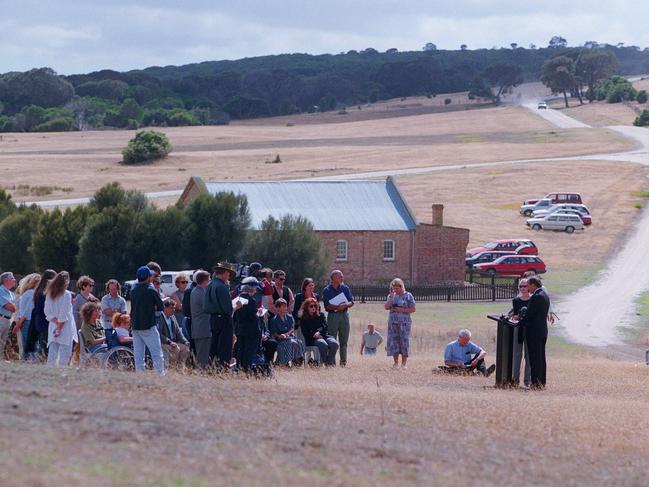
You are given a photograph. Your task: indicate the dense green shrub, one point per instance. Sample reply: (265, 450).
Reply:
(641, 97)
(615, 90)
(146, 146)
(55, 125)
(642, 120)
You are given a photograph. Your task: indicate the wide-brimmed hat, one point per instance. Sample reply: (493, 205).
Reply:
(226, 266)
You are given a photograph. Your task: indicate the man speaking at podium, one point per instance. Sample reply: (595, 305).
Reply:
(535, 322)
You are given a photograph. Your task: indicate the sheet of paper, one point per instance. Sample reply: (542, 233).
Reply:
(338, 300)
(239, 299)
(261, 311)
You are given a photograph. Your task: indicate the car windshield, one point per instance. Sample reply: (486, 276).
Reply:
(491, 245)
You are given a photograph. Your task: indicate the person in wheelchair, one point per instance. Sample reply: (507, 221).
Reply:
(92, 330)
(464, 356)
(122, 328)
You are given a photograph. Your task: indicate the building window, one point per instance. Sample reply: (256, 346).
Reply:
(341, 250)
(388, 250)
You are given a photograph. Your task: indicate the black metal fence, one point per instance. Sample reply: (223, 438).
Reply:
(478, 286)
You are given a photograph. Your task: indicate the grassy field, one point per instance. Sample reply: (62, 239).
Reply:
(240, 151)
(365, 424)
(362, 425)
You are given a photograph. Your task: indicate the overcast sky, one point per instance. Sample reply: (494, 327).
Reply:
(83, 36)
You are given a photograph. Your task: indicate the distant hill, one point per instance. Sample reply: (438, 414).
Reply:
(214, 92)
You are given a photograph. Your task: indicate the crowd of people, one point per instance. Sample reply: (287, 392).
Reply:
(203, 322)
(209, 324)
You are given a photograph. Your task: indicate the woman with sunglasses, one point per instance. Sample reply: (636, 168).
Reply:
(315, 331)
(520, 344)
(182, 282)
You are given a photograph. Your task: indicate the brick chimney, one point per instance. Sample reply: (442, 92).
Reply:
(438, 215)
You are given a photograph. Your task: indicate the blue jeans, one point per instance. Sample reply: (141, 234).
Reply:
(24, 333)
(150, 339)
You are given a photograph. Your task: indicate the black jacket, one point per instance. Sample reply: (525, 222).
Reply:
(310, 325)
(246, 321)
(536, 318)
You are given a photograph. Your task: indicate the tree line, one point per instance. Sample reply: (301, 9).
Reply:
(119, 230)
(215, 92)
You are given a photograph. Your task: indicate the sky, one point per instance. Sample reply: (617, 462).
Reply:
(74, 36)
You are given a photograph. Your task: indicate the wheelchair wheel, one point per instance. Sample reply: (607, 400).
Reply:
(120, 358)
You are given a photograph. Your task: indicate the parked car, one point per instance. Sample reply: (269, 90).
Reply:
(566, 223)
(528, 209)
(168, 286)
(581, 210)
(558, 197)
(517, 245)
(513, 265)
(488, 256)
(542, 105)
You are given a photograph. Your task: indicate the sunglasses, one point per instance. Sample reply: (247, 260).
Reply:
(184, 282)
(522, 286)
(281, 278)
(312, 306)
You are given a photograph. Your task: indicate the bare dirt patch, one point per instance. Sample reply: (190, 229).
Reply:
(487, 200)
(87, 160)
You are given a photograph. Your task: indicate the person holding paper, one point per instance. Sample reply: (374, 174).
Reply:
(337, 299)
(246, 325)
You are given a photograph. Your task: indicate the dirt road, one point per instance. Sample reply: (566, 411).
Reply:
(556, 118)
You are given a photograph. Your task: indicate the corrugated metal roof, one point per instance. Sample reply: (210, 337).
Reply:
(329, 205)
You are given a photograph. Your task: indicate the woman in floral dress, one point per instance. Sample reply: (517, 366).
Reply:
(401, 305)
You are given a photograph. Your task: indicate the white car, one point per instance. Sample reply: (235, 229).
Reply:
(581, 209)
(542, 105)
(566, 223)
(168, 286)
(542, 204)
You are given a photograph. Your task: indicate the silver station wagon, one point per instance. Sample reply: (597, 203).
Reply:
(561, 222)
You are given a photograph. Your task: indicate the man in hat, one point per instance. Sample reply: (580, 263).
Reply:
(218, 304)
(145, 302)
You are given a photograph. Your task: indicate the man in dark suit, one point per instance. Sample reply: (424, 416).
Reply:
(536, 330)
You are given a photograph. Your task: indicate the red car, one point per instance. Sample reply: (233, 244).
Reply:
(513, 265)
(518, 245)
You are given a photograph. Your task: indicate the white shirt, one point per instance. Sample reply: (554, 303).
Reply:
(61, 309)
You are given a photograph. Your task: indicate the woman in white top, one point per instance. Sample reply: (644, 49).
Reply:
(62, 331)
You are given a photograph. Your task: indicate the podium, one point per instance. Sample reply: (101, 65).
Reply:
(504, 350)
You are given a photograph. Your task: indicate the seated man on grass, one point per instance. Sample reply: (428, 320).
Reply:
(462, 355)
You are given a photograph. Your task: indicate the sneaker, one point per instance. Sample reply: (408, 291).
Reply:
(404, 366)
(396, 366)
(490, 370)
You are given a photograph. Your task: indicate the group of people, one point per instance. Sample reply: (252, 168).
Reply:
(261, 320)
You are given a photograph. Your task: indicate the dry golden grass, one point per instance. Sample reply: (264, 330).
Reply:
(600, 113)
(84, 161)
(362, 425)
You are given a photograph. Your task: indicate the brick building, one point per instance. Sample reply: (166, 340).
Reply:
(366, 227)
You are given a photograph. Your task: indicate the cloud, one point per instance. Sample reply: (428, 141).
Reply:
(76, 36)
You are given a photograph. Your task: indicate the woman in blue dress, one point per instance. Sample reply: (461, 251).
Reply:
(401, 305)
(282, 329)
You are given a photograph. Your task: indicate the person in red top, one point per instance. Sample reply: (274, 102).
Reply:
(266, 276)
